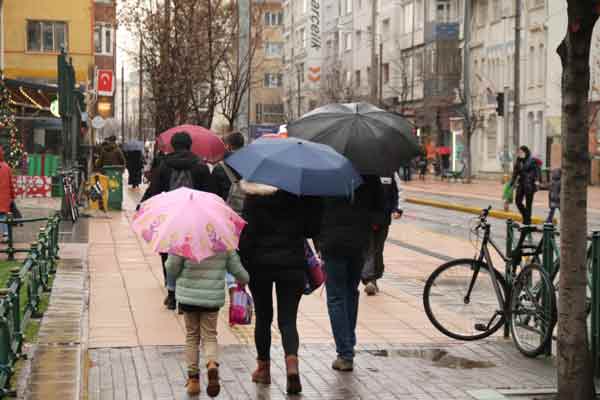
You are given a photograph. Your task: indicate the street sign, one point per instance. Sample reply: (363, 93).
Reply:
(105, 83)
(98, 122)
(54, 108)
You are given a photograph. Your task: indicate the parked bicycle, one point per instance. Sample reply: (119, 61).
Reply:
(71, 193)
(469, 299)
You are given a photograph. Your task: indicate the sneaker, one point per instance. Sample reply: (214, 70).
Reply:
(371, 288)
(193, 386)
(341, 364)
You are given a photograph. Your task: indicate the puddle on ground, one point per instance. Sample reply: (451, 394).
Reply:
(438, 357)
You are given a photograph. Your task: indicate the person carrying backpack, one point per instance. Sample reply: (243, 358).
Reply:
(182, 168)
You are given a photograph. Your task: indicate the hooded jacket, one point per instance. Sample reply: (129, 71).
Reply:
(110, 154)
(7, 190)
(180, 160)
(348, 223)
(278, 224)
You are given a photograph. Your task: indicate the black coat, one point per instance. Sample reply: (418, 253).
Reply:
(135, 164)
(180, 160)
(347, 223)
(278, 225)
(221, 181)
(525, 175)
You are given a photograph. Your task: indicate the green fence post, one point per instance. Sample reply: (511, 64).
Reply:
(15, 279)
(508, 268)
(596, 302)
(44, 259)
(10, 249)
(5, 339)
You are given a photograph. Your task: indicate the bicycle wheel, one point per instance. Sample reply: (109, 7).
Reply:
(533, 310)
(452, 312)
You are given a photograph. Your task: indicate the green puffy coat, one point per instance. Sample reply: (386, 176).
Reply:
(203, 284)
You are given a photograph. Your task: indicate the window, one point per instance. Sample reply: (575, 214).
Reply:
(273, 49)
(46, 36)
(269, 113)
(408, 18)
(419, 14)
(536, 3)
(104, 1)
(348, 41)
(359, 4)
(386, 73)
(273, 18)
(531, 61)
(357, 78)
(358, 39)
(302, 38)
(482, 13)
(542, 65)
(273, 80)
(496, 10)
(348, 77)
(418, 65)
(103, 43)
(385, 28)
(443, 11)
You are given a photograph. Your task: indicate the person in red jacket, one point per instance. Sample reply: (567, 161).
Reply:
(7, 192)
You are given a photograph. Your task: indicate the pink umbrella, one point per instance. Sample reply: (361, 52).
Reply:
(205, 143)
(188, 223)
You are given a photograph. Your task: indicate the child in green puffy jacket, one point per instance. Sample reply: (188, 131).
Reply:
(200, 292)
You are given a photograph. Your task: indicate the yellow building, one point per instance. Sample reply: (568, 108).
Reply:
(35, 31)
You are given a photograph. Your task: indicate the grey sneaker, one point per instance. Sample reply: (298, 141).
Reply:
(341, 364)
(371, 289)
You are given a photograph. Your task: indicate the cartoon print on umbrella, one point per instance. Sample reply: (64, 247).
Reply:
(217, 244)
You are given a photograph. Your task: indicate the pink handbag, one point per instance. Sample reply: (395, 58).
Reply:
(241, 307)
(315, 270)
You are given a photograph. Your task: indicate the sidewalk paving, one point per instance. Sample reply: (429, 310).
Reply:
(136, 344)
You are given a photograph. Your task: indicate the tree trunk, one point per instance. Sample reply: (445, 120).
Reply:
(575, 375)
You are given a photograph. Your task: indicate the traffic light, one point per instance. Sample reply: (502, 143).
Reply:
(500, 104)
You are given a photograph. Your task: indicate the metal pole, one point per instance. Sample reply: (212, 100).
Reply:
(243, 117)
(517, 77)
(373, 77)
(467, 85)
(141, 93)
(123, 103)
(506, 146)
(381, 73)
(299, 72)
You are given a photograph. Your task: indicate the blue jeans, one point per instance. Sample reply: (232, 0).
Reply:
(343, 278)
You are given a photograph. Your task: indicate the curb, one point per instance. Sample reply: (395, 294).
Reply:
(499, 214)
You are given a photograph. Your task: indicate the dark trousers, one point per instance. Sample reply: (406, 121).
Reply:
(289, 286)
(550, 218)
(163, 259)
(524, 200)
(343, 278)
(373, 268)
(406, 174)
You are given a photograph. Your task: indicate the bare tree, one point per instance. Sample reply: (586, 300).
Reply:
(575, 374)
(335, 86)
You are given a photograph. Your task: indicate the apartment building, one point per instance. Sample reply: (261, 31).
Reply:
(105, 53)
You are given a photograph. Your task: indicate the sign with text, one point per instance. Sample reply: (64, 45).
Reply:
(314, 56)
(105, 82)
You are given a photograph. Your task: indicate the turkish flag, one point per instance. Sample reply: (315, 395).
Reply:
(105, 82)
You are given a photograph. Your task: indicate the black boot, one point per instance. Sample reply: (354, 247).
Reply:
(170, 301)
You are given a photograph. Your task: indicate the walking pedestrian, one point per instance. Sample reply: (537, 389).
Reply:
(406, 172)
(7, 193)
(182, 168)
(135, 165)
(200, 294)
(272, 249)
(374, 265)
(344, 238)
(554, 194)
(525, 176)
(110, 154)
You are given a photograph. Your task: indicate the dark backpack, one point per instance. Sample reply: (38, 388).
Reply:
(181, 178)
(236, 196)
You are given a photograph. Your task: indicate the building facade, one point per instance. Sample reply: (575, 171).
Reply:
(105, 51)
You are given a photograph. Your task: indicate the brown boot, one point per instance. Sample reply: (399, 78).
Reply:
(262, 373)
(214, 387)
(293, 375)
(193, 385)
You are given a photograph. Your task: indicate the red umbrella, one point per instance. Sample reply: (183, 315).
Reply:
(205, 143)
(444, 151)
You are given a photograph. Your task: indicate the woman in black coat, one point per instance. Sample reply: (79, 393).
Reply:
(272, 250)
(526, 175)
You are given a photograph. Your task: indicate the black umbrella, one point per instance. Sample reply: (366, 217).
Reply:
(376, 141)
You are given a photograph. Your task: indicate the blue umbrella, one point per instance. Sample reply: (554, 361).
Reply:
(296, 166)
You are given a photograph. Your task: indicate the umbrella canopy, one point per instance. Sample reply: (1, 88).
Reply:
(134, 145)
(296, 166)
(205, 143)
(376, 141)
(188, 223)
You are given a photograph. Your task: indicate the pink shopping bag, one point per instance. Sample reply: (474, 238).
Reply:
(241, 307)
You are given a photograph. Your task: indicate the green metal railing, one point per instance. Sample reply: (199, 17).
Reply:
(21, 299)
(11, 222)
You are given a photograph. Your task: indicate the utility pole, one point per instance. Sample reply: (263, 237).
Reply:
(243, 117)
(373, 78)
(506, 149)
(381, 73)
(517, 83)
(467, 87)
(299, 75)
(141, 93)
(123, 103)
